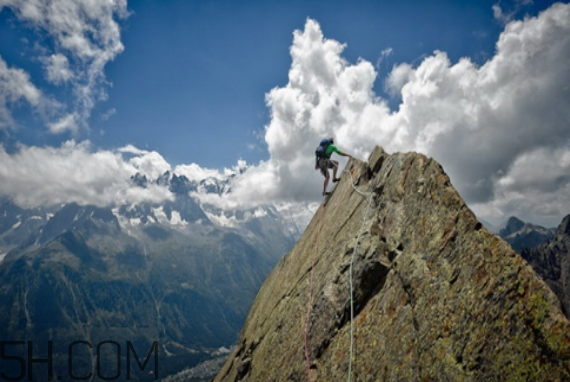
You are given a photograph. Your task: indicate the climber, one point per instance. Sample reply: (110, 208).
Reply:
(324, 163)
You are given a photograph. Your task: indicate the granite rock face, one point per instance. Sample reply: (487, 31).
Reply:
(551, 261)
(436, 296)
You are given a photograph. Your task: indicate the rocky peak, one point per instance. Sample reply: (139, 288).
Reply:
(435, 295)
(73, 215)
(164, 179)
(181, 185)
(564, 227)
(513, 225)
(551, 261)
(213, 185)
(525, 235)
(139, 180)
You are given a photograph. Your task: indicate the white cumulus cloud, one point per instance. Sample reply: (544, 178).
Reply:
(195, 172)
(485, 124)
(15, 85)
(66, 123)
(501, 129)
(325, 96)
(84, 37)
(57, 68)
(74, 172)
(149, 163)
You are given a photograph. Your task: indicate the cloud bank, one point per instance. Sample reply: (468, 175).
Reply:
(74, 172)
(501, 130)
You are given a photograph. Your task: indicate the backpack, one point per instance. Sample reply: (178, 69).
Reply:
(320, 152)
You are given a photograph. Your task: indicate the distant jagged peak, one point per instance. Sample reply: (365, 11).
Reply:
(516, 226)
(213, 185)
(564, 227)
(139, 180)
(181, 184)
(164, 179)
(551, 261)
(513, 225)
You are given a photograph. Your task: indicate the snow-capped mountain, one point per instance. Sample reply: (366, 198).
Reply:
(180, 272)
(24, 228)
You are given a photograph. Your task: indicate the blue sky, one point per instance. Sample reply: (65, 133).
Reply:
(184, 84)
(195, 67)
(192, 78)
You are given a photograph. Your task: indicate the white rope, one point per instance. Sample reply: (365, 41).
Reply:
(369, 195)
(368, 203)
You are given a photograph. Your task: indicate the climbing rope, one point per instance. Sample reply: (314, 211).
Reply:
(368, 203)
(310, 293)
(310, 300)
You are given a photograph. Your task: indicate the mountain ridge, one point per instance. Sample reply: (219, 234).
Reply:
(520, 234)
(167, 272)
(436, 296)
(551, 260)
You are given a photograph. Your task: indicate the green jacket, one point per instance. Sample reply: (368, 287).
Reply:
(332, 149)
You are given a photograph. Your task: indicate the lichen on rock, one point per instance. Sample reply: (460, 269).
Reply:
(436, 297)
